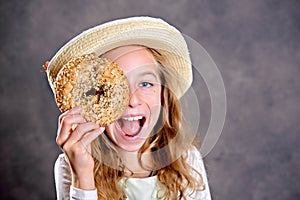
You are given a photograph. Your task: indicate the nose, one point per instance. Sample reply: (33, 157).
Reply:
(134, 99)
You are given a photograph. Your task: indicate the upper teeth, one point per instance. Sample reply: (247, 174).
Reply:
(133, 118)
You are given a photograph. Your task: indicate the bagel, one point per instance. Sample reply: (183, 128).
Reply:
(96, 84)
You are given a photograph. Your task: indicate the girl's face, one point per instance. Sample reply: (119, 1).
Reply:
(142, 113)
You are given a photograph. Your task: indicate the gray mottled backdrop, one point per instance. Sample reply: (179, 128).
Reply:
(255, 43)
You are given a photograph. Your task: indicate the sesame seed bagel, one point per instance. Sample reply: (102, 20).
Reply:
(96, 84)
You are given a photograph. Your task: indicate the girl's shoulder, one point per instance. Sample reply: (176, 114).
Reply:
(195, 160)
(193, 154)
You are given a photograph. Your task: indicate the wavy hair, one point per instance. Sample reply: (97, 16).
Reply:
(177, 179)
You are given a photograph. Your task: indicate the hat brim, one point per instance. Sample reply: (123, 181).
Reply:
(146, 31)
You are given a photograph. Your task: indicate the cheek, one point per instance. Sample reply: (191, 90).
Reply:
(154, 100)
(154, 103)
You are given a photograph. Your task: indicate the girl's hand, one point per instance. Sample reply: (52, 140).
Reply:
(76, 144)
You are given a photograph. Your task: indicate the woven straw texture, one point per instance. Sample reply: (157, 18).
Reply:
(150, 32)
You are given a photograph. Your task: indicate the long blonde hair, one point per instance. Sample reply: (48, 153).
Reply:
(176, 178)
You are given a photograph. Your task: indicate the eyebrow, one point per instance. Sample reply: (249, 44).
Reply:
(149, 73)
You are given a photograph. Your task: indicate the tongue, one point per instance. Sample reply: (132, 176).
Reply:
(130, 128)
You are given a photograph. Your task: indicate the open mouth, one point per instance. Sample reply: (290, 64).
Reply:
(131, 126)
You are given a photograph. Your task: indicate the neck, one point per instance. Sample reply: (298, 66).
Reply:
(133, 167)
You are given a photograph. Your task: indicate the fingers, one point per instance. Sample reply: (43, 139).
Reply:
(65, 127)
(80, 140)
(81, 130)
(89, 137)
(68, 134)
(65, 122)
(73, 111)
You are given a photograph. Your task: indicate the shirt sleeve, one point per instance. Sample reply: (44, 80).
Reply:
(196, 161)
(78, 194)
(63, 179)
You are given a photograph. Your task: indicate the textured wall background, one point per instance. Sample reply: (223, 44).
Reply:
(255, 43)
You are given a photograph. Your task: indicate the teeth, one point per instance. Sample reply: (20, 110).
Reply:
(132, 118)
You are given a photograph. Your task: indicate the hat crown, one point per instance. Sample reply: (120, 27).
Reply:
(150, 32)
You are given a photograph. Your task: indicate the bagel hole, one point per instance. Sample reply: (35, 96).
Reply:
(95, 92)
(91, 92)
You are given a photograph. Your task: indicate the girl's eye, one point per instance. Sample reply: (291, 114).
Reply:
(145, 84)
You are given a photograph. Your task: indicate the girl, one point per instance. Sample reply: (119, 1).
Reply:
(146, 154)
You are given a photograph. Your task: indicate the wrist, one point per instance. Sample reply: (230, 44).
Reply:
(84, 181)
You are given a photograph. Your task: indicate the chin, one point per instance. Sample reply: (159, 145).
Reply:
(131, 148)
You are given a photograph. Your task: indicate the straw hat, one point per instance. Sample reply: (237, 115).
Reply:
(147, 31)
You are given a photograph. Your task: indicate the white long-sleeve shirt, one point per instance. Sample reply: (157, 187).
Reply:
(135, 188)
